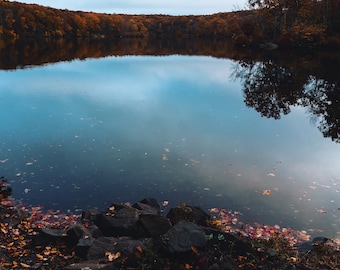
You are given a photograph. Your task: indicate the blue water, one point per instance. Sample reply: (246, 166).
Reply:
(83, 134)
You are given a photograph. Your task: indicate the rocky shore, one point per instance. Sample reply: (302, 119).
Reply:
(141, 236)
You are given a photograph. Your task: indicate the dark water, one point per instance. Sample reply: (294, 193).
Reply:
(208, 131)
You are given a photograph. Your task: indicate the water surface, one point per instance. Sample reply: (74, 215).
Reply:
(83, 134)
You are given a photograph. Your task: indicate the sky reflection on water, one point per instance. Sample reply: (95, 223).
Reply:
(85, 133)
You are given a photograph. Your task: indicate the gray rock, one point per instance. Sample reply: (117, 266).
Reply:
(179, 213)
(148, 206)
(90, 215)
(120, 220)
(155, 225)
(103, 244)
(184, 235)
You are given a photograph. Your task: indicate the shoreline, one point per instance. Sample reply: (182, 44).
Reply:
(142, 235)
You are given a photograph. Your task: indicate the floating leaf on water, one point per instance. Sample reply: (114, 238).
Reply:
(266, 192)
(165, 158)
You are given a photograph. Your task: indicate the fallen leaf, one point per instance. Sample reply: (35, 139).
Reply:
(194, 249)
(213, 210)
(112, 256)
(24, 265)
(266, 192)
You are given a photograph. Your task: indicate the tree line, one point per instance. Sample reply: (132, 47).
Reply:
(286, 22)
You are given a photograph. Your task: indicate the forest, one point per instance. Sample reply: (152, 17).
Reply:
(288, 23)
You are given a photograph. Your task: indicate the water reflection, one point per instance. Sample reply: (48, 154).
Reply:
(272, 90)
(85, 133)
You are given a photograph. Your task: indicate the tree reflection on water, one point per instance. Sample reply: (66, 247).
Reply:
(272, 89)
(273, 81)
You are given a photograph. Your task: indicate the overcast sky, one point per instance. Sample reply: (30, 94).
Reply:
(172, 7)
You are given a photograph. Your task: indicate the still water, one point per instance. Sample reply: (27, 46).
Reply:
(83, 134)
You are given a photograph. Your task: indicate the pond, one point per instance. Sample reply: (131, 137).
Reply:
(86, 133)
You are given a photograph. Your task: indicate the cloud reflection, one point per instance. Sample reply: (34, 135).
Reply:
(107, 122)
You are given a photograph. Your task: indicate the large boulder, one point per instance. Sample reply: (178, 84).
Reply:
(155, 225)
(82, 237)
(103, 247)
(120, 220)
(90, 215)
(148, 206)
(190, 213)
(179, 213)
(183, 236)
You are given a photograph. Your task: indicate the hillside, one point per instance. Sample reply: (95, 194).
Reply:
(306, 24)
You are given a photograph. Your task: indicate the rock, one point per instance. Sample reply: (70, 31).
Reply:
(90, 215)
(316, 242)
(224, 263)
(184, 235)
(120, 220)
(227, 243)
(102, 245)
(190, 213)
(148, 206)
(155, 225)
(81, 237)
(179, 213)
(47, 236)
(199, 216)
(91, 265)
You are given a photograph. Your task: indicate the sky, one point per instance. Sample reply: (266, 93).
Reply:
(170, 7)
